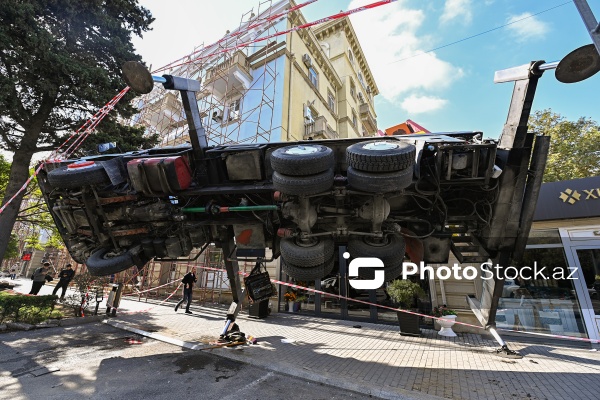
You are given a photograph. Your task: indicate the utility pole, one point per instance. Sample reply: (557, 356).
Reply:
(590, 21)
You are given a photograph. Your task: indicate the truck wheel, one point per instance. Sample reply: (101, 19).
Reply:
(298, 160)
(298, 185)
(307, 273)
(307, 256)
(382, 182)
(381, 156)
(106, 262)
(391, 251)
(76, 175)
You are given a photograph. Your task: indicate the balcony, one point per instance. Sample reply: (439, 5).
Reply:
(229, 76)
(369, 122)
(319, 129)
(165, 113)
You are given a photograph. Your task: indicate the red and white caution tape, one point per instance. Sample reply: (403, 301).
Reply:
(294, 286)
(255, 24)
(151, 289)
(294, 29)
(88, 127)
(407, 311)
(154, 306)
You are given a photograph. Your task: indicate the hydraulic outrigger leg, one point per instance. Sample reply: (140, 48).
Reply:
(231, 331)
(522, 167)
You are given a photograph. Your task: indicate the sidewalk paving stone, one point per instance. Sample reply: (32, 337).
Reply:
(375, 359)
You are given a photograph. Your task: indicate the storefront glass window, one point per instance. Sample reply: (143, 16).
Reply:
(534, 304)
(305, 300)
(357, 309)
(331, 304)
(589, 259)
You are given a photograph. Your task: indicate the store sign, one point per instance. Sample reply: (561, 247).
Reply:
(571, 196)
(575, 198)
(26, 257)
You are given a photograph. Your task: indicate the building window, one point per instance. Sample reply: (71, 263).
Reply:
(331, 101)
(351, 56)
(361, 80)
(354, 119)
(234, 108)
(313, 77)
(310, 114)
(352, 89)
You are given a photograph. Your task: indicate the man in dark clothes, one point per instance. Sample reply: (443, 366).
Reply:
(65, 275)
(188, 283)
(39, 278)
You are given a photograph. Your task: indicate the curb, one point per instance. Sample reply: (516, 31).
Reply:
(81, 320)
(323, 378)
(51, 323)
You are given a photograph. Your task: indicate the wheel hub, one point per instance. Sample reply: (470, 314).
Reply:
(376, 242)
(308, 242)
(302, 150)
(381, 146)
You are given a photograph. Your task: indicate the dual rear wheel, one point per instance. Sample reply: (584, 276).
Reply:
(379, 166)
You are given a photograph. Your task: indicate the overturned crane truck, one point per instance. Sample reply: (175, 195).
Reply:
(423, 195)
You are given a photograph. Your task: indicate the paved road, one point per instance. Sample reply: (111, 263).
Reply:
(94, 361)
(374, 359)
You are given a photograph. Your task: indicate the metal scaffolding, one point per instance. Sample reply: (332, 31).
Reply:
(237, 99)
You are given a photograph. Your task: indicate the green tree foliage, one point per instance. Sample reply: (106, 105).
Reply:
(4, 172)
(55, 241)
(574, 145)
(60, 61)
(33, 212)
(33, 242)
(12, 251)
(127, 138)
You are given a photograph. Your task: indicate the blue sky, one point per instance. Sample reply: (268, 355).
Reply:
(449, 89)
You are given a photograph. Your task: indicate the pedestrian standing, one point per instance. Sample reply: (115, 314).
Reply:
(188, 283)
(65, 277)
(13, 271)
(39, 277)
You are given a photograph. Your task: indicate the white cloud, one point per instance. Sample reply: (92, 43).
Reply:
(529, 28)
(388, 34)
(415, 104)
(457, 9)
(182, 25)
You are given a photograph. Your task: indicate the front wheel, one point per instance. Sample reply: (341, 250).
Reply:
(78, 174)
(107, 262)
